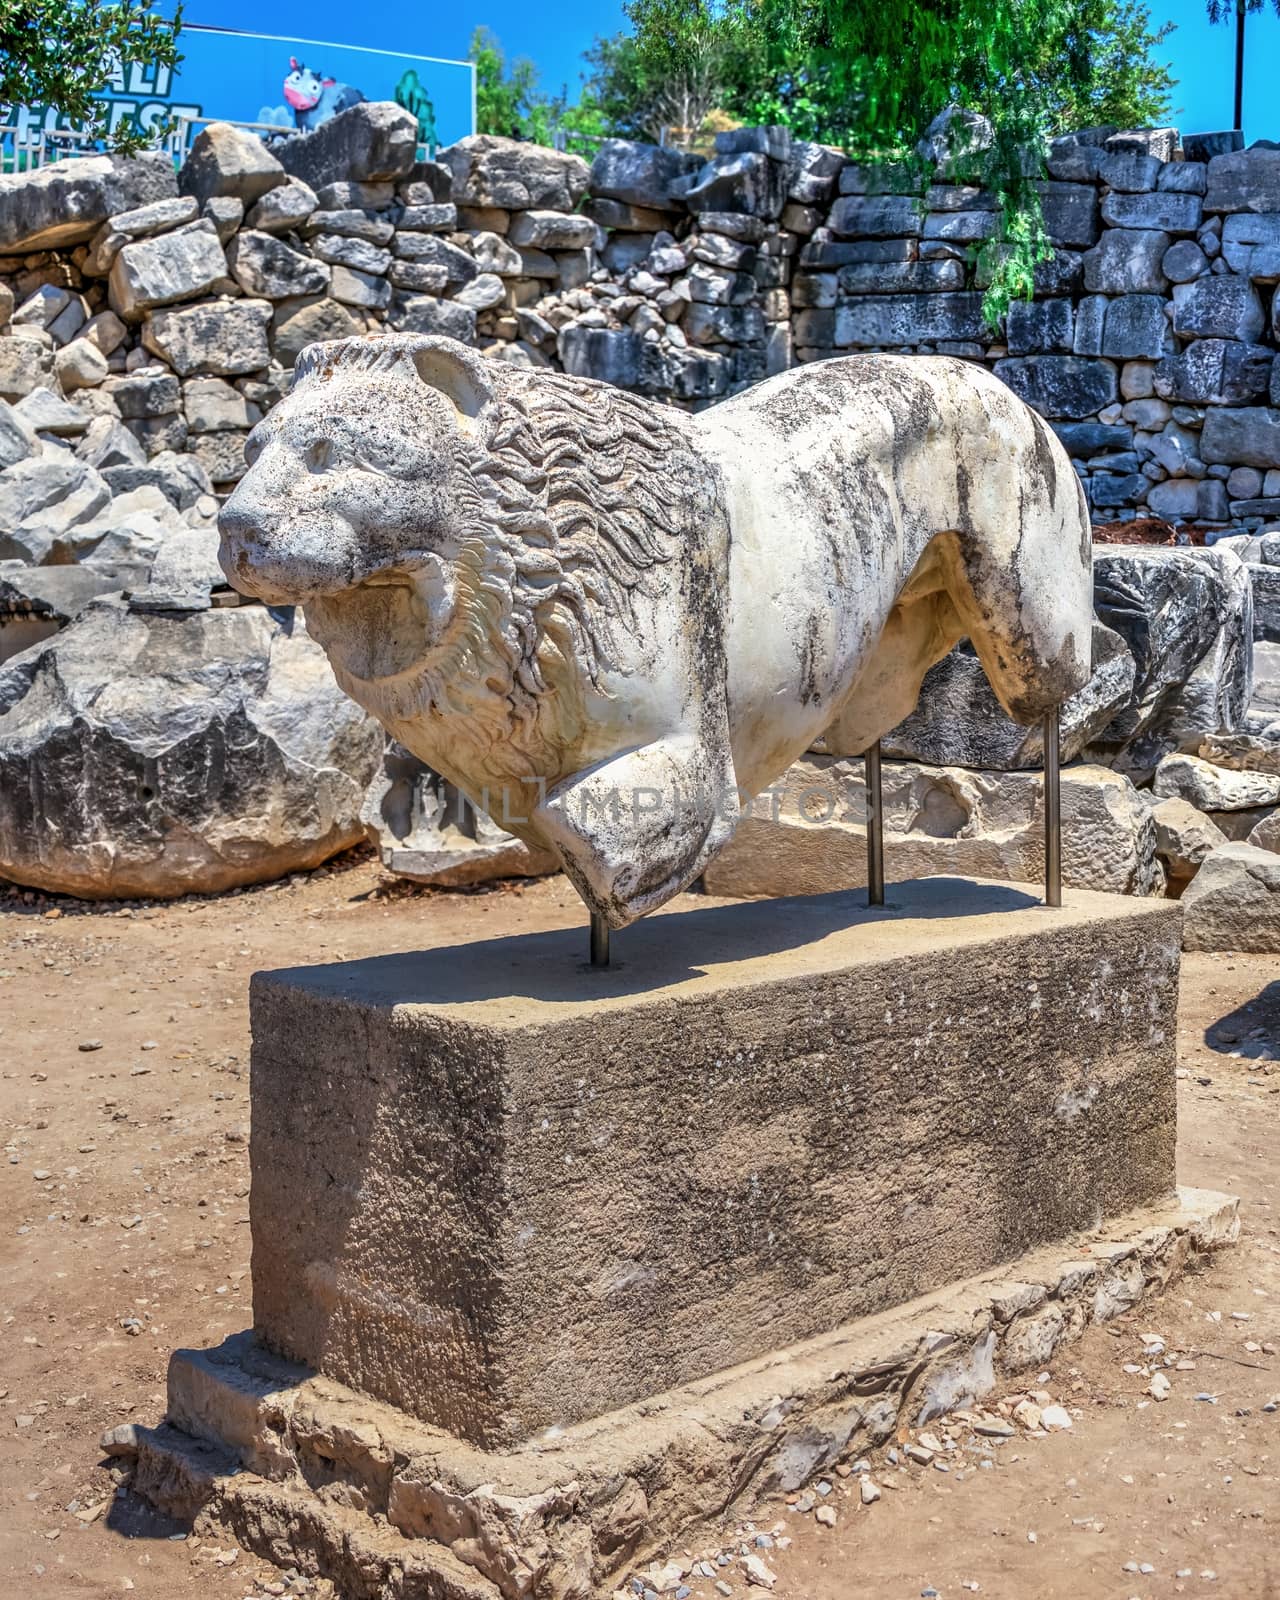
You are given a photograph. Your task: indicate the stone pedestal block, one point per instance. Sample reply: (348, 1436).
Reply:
(504, 1192)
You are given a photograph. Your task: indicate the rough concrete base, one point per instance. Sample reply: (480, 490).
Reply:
(307, 1473)
(506, 1193)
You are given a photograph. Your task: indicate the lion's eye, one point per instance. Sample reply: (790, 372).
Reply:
(319, 455)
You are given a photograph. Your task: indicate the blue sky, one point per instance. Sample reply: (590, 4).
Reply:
(555, 36)
(1204, 61)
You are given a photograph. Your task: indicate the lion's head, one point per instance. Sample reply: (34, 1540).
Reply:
(450, 523)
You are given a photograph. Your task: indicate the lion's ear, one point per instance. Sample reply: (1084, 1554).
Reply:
(458, 373)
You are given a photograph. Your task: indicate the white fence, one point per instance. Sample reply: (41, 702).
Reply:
(25, 149)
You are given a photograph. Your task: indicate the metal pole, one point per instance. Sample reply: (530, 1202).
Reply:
(1239, 122)
(1052, 813)
(599, 941)
(875, 827)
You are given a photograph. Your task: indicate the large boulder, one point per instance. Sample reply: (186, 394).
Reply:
(1233, 902)
(66, 202)
(373, 142)
(1187, 618)
(640, 174)
(807, 835)
(158, 754)
(428, 831)
(229, 161)
(958, 722)
(513, 176)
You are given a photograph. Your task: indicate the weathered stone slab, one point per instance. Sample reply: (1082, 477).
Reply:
(1216, 372)
(1244, 180)
(1174, 213)
(1127, 261)
(1247, 436)
(872, 321)
(468, 1240)
(63, 203)
(1060, 386)
(1233, 902)
(367, 143)
(1220, 308)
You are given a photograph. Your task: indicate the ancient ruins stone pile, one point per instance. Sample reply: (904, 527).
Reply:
(149, 318)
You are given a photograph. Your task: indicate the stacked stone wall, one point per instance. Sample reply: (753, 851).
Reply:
(175, 304)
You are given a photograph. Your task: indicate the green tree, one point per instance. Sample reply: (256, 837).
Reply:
(871, 75)
(509, 101)
(61, 53)
(688, 57)
(884, 69)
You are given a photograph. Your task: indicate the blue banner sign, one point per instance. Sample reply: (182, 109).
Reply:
(290, 84)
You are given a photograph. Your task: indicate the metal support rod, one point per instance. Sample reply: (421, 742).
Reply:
(599, 941)
(875, 827)
(1052, 814)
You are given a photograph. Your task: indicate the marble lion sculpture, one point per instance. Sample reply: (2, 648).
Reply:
(610, 623)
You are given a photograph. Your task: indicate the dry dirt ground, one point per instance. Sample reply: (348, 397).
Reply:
(123, 1232)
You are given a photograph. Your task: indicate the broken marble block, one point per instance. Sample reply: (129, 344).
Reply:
(428, 831)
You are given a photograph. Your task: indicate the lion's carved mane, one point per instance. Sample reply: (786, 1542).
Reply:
(567, 496)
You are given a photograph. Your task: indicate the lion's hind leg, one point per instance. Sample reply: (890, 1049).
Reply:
(922, 627)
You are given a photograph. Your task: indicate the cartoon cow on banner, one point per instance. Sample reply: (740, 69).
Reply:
(311, 98)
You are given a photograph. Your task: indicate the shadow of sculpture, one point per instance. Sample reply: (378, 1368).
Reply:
(653, 954)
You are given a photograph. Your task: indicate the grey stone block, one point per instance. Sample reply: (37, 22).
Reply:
(828, 253)
(1085, 439)
(1127, 261)
(1204, 146)
(1183, 177)
(1220, 308)
(1174, 213)
(901, 277)
(1091, 316)
(1137, 328)
(1244, 180)
(1060, 386)
(1130, 171)
(1038, 326)
(872, 321)
(1110, 489)
(1216, 372)
(639, 174)
(469, 1241)
(1248, 436)
(884, 216)
(1070, 213)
